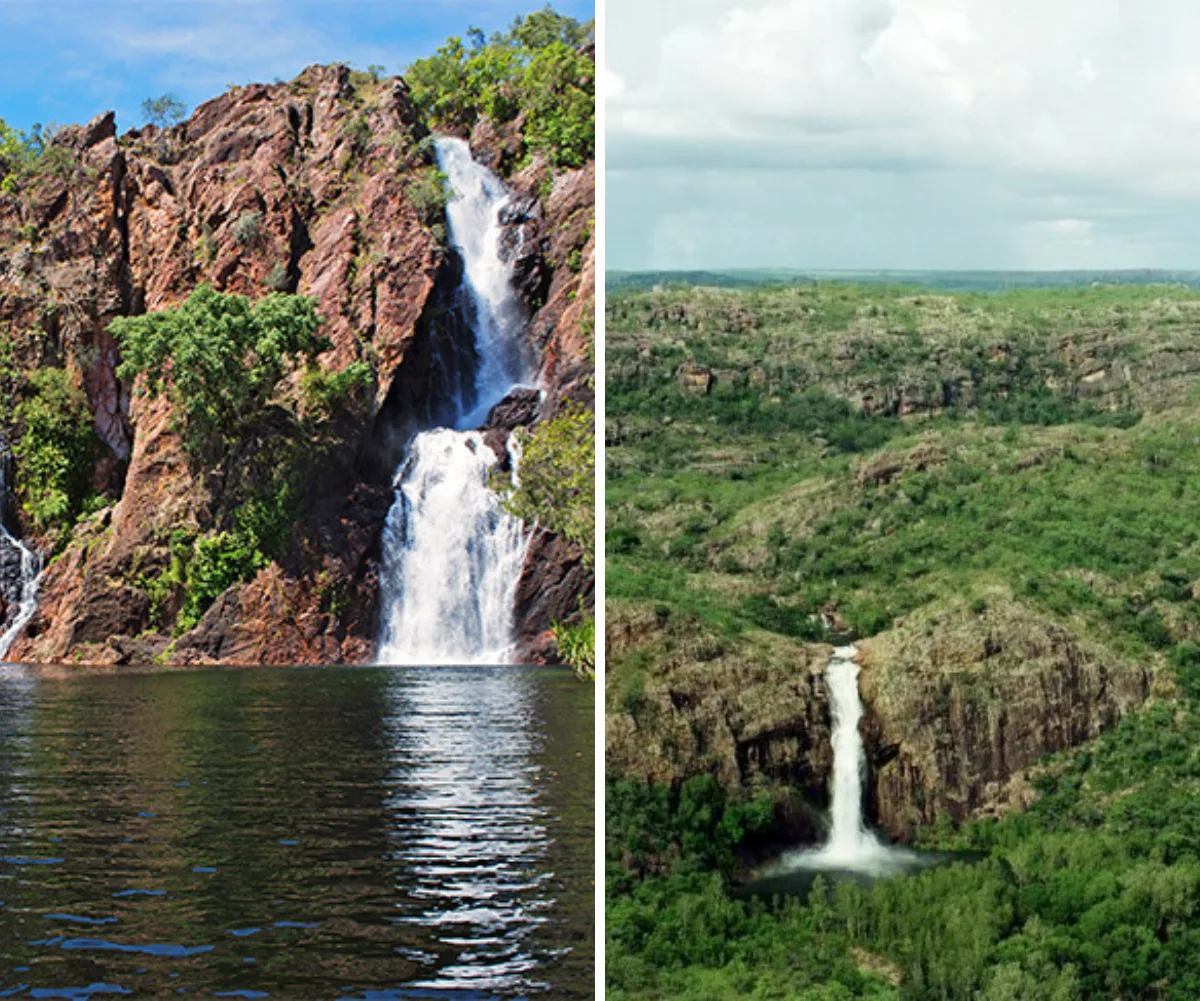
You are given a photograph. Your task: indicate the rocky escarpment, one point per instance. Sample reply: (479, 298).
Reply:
(911, 355)
(755, 714)
(963, 700)
(320, 186)
(960, 704)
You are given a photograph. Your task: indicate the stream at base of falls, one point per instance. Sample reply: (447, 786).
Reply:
(358, 833)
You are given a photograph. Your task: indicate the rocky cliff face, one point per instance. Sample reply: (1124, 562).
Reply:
(962, 702)
(959, 705)
(311, 187)
(754, 713)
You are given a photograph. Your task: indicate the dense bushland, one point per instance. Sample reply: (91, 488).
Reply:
(55, 452)
(818, 461)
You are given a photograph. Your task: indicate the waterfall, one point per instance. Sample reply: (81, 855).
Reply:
(849, 839)
(20, 573)
(452, 556)
(851, 846)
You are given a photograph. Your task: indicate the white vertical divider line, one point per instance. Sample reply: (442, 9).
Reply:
(601, 270)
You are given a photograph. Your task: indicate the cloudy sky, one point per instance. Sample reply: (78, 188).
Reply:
(1035, 134)
(68, 60)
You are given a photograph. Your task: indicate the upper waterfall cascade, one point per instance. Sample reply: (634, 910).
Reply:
(452, 556)
(20, 574)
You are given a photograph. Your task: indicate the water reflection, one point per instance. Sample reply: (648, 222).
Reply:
(358, 833)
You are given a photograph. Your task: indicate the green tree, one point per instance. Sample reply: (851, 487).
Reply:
(537, 67)
(555, 486)
(164, 111)
(558, 89)
(556, 480)
(546, 27)
(218, 357)
(24, 155)
(55, 450)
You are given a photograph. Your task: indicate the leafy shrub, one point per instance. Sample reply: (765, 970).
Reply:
(558, 90)
(218, 562)
(26, 156)
(329, 394)
(358, 134)
(204, 568)
(164, 111)
(55, 451)
(218, 357)
(278, 279)
(1185, 661)
(789, 620)
(428, 195)
(247, 230)
(557, 477)
(536, 67)
(577, 645)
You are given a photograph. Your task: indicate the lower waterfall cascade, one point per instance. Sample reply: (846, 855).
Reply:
(20, 575)
(452, 556)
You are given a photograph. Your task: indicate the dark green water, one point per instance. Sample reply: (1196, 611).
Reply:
(373, 833)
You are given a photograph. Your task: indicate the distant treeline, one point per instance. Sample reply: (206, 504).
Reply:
(948, 281)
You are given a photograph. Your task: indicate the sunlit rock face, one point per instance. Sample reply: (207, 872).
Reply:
(266, 187)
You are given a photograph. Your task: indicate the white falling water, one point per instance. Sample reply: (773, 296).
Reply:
(849, 839)
(20, 574)
(497, 312)
(851, 847)
(452, 556)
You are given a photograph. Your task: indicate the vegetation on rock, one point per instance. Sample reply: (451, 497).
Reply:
(556, 487)
(218, 357)
(556, 481)
(55, 451)
(536, 68)
(26, 156)
(830, 462)
(164, 111)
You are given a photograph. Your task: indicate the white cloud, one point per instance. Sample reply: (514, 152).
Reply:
(1096, 89)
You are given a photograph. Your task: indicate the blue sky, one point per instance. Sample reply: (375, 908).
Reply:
(66, 61)
(1040, 134)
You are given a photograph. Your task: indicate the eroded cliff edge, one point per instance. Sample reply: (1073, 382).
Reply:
(319, 186)
(960, 706)
(1012, 551)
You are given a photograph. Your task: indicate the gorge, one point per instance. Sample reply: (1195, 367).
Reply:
(327, 186)
(990, 496)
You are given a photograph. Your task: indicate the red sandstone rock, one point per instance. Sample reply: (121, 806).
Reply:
(143, 219)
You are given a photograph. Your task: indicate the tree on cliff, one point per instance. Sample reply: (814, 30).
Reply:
(556, 487)
(218, 357)
(25, 155)
(164, 111)
(537, 68)
(55, 450)
(556, 482)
